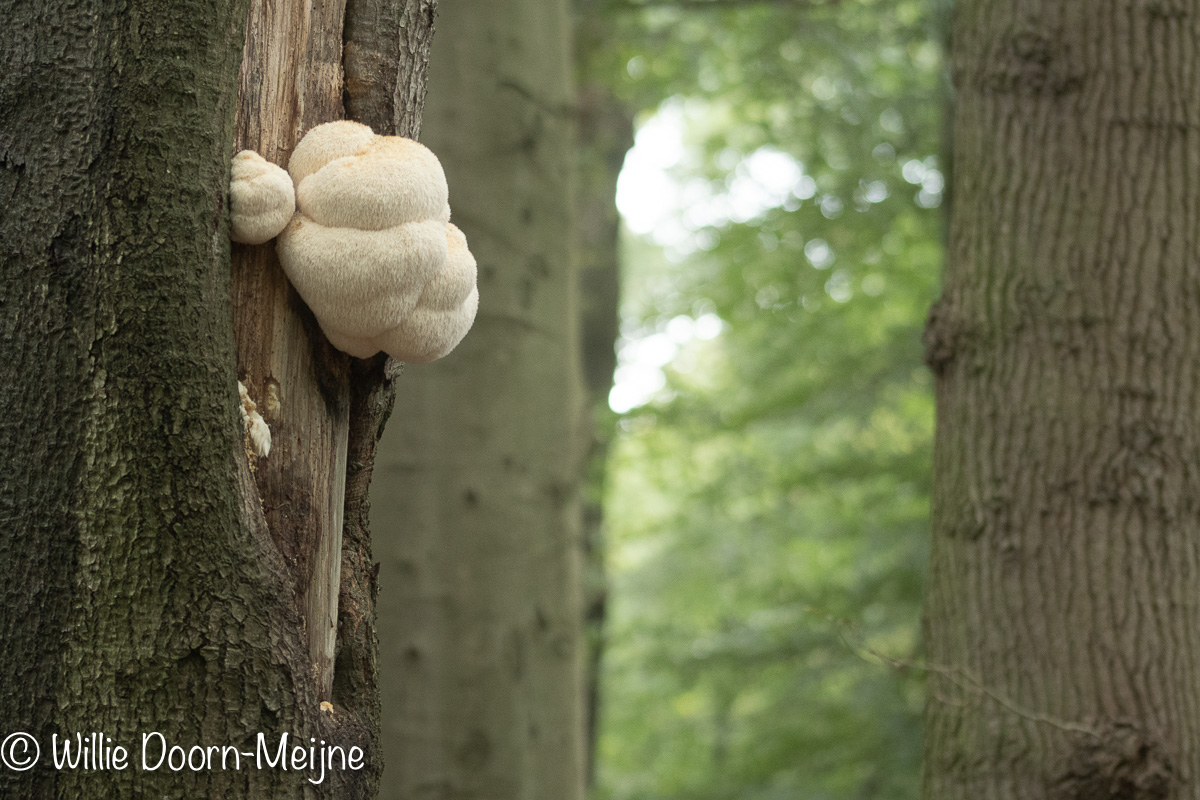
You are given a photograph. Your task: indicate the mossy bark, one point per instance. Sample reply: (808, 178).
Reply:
(477, 505)
(1063, 632)
(145, 591)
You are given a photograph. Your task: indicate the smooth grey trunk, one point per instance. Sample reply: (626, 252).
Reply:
(147, 590)
(1062, 624)
(477, 499)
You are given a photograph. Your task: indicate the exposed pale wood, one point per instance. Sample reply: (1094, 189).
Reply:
(291, 80)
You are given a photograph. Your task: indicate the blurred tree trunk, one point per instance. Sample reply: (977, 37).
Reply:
(160, 576)
(605, 136)
(1062, 628)
(482, 463)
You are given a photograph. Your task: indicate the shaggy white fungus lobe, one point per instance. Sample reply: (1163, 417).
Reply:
(445, 311)
(326, 143)
(370, 248)
(261, 199)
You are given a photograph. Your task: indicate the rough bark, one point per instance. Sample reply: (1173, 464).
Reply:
(1062, 625)
(139, 599)
(153, 585)
(480, 517)
(387, 63)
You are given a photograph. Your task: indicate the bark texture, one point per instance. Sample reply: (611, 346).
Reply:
(140, 597)
(387, 63)
(1062, 624)
(479, 520)
(161, 577)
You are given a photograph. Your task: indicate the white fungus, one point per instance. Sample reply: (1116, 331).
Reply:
(370, 248)
(444, 312)
(261, 199)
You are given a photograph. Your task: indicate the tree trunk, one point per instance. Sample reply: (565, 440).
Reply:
(605, 136)
(152, 587)
(482, 464)
(1062, 627)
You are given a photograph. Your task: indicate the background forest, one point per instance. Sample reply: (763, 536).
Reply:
(757, 508)
(767, 492)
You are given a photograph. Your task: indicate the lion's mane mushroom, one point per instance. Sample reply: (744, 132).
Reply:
(261, 199)
(371, 250)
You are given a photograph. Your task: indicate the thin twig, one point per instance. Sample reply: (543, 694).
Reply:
(712, 5)
(964, 680)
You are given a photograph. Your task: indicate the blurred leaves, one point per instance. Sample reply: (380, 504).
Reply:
(768, 511)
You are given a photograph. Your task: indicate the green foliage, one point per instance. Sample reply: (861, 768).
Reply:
(768, 511)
